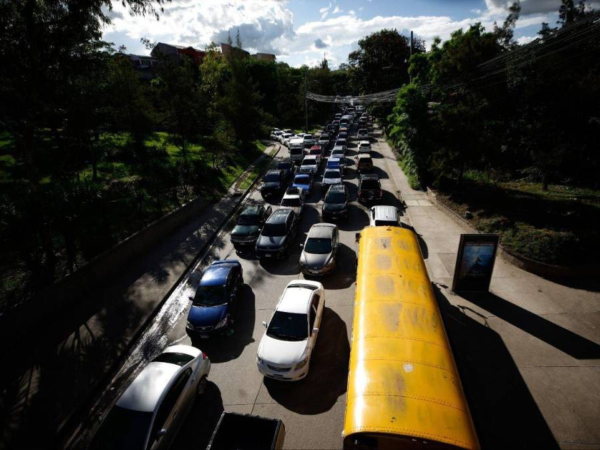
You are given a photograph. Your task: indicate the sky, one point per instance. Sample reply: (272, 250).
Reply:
(306, 31)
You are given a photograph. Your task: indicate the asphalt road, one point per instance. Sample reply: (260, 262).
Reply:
(312, 409)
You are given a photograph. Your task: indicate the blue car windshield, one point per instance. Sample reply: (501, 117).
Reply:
(210, 296)
(123, 429)
(302, 179)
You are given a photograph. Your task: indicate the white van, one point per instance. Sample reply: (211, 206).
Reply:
(297, 150)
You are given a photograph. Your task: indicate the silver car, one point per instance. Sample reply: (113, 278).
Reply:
(154, 406)
(320, 249)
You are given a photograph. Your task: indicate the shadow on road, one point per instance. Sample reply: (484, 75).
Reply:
(504, 411)
(344, 274)
(357, 219)
(328, 375)
(201, 421)
(555, 335)
(225, 348)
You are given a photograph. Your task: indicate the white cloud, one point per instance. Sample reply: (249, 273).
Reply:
(525, 39)
(268, 26)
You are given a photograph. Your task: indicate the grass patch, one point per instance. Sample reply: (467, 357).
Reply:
(407, 166)
(558, 226)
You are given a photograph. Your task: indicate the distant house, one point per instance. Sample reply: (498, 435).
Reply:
(176, 52)
(264, 57)
(229, 50)
(144, 65)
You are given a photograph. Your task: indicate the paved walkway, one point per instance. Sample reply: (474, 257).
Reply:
(48, 381)
(528, 352)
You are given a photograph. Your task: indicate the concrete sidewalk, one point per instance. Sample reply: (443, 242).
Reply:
(51, 377)
(528, 352)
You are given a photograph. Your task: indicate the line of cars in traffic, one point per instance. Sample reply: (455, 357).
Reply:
(153, 407)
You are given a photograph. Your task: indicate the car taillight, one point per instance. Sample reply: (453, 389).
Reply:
(204, 357)
(380, 193)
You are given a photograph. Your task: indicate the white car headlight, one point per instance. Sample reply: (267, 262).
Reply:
(301, 364)
(259, 360)
(222, 323)
(189, 325)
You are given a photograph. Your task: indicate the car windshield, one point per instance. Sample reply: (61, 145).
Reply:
(302, 179)
(249, 219)
(287, 326)
(335, 197)
(272, 178)
(386, 223)
(296, 150)
(209, 296)
(124, 429)
(369, 184)
(291, 202)
(341, 142)
(284, 166)
(309, 162)
(332, 174)
(315, 151)
(274, 229)
(320, 246)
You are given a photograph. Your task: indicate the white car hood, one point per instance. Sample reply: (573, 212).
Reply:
(285, 353)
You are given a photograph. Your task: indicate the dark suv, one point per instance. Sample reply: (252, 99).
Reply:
(250, 221)
(273, 183)
(369, 188)
(277, 235)
(335, 203)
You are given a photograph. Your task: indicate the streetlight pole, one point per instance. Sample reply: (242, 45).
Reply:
(305, 104)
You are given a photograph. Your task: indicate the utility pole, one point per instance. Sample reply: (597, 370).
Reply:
(411, 51)
(305, 104)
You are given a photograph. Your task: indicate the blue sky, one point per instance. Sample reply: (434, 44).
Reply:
(304, 31)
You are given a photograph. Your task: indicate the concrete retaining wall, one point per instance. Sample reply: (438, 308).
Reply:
(549, 271)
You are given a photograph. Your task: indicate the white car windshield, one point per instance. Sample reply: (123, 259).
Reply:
(291, 202)
(332, 174)
(287, 326)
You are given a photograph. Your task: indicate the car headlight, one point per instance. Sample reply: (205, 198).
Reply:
(259, 360)
(301, 364)
(189, 325)
(222, 323)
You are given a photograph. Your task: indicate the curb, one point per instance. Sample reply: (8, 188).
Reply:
(71, 440)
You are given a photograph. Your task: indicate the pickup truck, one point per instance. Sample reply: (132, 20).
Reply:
(245, 432)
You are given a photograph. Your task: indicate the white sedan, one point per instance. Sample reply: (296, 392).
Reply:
(154, 406)
(286, 347)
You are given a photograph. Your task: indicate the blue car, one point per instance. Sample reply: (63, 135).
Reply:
(304, 181)
(216, 299)
(335, 164)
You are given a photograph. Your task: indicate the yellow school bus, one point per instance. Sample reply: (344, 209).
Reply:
(404, 390)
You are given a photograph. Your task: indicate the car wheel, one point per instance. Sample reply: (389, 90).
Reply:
(202, 386)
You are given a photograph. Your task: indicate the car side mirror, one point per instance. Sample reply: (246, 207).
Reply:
(264, 324)
(161, 432)
(301, 245)
(357, 238)
(190, 297)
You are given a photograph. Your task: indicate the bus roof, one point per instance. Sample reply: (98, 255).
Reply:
(403, 381)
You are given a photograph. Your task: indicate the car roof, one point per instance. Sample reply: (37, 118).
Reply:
(310, 158)
(331, 169)
(273, 172)
(301, 176)
(148, 387)
(369, 176)
(337, 187)
(215, 275)
(364, 156)
(384, 212)
(296, 298)
(321, 230)
(253, 210)
(364, 143)
(280, 215)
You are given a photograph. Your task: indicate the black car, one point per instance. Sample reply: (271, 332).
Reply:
(369, 188)
(273, 183)
(335, 203)
(277, 235)
(248, 226)
(288, 168)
